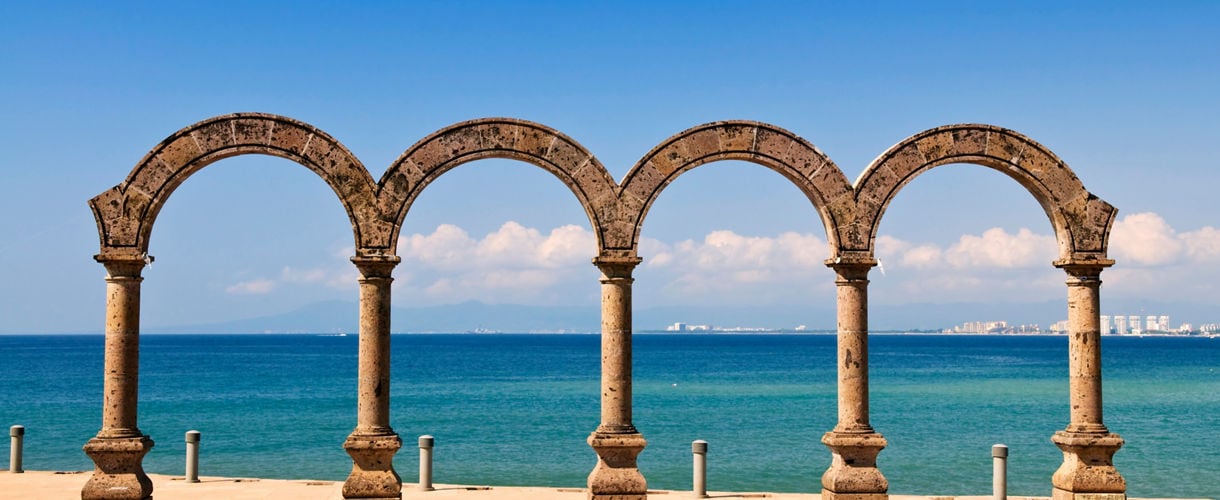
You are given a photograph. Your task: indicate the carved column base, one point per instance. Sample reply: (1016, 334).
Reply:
(853, 473)
(119, 471)
(1088, 471)
(616, 475)
(373, 474)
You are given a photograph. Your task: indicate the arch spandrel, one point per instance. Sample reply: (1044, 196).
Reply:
(788, 154)
(125, 213)
(1081, 220)
(504, 138)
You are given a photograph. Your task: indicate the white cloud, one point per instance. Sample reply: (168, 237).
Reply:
(1144, 239)
(889, 247)
(252, 287)
(512, 246)
(1203, 245)
(747, 268)
(518, 264)
(997, 248)
(513, 264)
(922, 256)
(731, 251)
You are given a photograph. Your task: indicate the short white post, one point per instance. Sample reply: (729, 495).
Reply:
(699, 448)
(192, 456)
(999, 473)
(426, 443)
(17, 435)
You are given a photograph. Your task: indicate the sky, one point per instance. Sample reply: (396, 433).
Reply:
(1124, 92)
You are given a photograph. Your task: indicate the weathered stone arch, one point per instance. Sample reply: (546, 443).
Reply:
(780, 150)
(125, 213)
(1081, 220)
(506, 138)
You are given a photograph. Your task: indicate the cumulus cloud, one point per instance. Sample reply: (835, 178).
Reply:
(512, 246)
(1144, 239)
(922, 256)
(252, 287)
(754, 268)
(996, 263)
(998, 248)
(512, 264)
(519, 264)
(1203, 245)
(995, 248)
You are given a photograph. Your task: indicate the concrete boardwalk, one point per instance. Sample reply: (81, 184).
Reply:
(51, 485)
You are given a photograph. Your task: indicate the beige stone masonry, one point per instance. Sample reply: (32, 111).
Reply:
(854, 445)
(118, 449)
(616, 440)
(850, 214)
(373, 443)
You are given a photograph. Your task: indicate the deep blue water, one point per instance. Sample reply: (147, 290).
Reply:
(516, 409)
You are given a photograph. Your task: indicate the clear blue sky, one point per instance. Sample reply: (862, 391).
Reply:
(1125, 92)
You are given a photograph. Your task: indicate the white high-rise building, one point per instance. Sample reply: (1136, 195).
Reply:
(1163, 321)
(1105, 324)
(1150, 324)
(1133, 323)
(1120, 325)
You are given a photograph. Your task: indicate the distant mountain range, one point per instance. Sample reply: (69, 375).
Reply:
(342, 316)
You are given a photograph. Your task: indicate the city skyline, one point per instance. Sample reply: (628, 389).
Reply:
(1123, 92)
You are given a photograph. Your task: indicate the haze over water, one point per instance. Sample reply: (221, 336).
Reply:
(516, 409)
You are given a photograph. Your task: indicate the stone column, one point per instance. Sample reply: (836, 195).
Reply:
(373, 443)
(853, 443)
(616, 440)
(1088, 447)
(118, 449)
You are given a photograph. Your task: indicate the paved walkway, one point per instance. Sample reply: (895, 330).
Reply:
(45, 484)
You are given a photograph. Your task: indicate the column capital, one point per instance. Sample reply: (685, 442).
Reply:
(376, 266)
(123, 263)
(616, 267)
(851, 267)
(851, 261)
(1084, 268)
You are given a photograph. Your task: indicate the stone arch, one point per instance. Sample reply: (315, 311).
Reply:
(505, 138)
(780, 150)
(125, 213)
(1080, 219)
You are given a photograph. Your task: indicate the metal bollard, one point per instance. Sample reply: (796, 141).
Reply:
(699, 448)
(192, 456)
(999, 472)
(16, 434)
(426, 443)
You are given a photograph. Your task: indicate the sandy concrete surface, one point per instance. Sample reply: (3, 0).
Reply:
(67, 485)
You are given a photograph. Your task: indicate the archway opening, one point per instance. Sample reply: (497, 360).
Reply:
(966, 257)
(496, 314)
(252, 279)
(738, 250)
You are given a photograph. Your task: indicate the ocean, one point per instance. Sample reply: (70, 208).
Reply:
(509, 409)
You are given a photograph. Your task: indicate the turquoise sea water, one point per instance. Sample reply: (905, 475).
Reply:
(516, 409)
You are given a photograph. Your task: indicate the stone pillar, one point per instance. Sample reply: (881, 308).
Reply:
(854, 445)
(118, 449)
(373, 443)
(616, 440)
(1088, 447)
